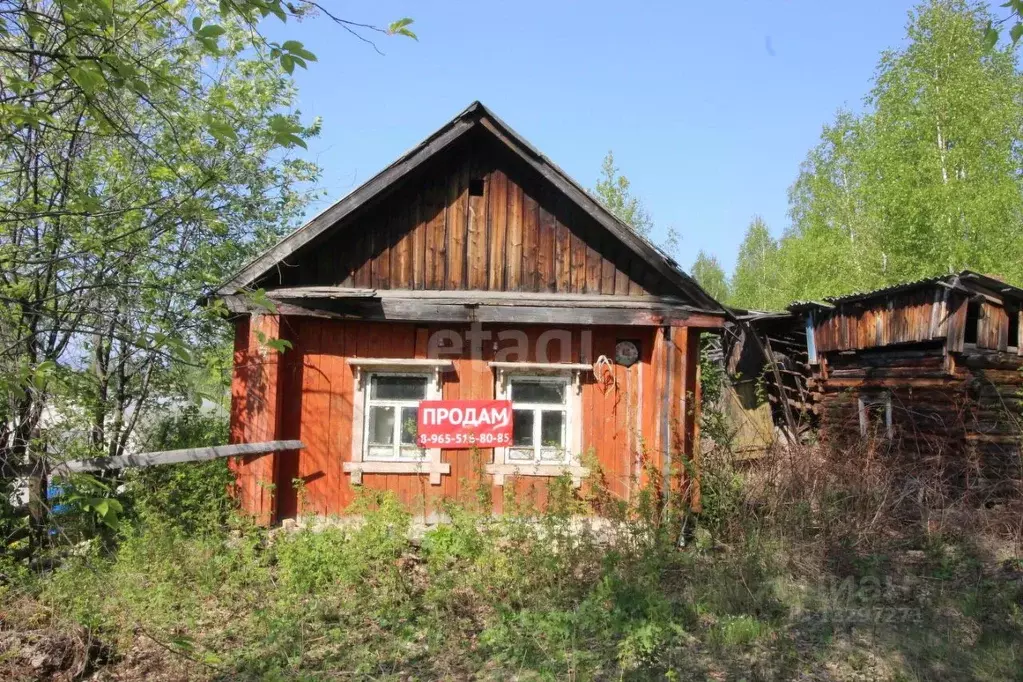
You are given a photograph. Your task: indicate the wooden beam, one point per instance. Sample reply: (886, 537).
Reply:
(700, 321)
(431, 311)
(320, 292)
(457, 307)
(148, 459)
(400, 362)
(543, 366)
(483, 297)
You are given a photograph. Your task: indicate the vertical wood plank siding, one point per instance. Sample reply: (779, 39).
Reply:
(432, 233)
(307, 395)
(913, 317)
(930, 314)
(255, 393)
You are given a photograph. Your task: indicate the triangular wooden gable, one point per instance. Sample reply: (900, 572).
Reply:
(473, 208)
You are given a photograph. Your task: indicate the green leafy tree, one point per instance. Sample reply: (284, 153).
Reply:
(831, 223)
(145, 152)
(1013, 19)
(928, 179)
(944, 151)
(613, 190)
(754, 282)
(709, 274)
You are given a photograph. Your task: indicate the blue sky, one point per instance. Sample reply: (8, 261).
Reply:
(709, 107)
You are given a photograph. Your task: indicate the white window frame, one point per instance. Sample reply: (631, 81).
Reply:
(430, 462)
(397, 405)
(570, 375)
(538, 449)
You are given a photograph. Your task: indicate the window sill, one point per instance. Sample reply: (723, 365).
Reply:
(434, 469)
(499, 471)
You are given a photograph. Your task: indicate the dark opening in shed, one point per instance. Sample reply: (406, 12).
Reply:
(973, 315)
(1013, 327)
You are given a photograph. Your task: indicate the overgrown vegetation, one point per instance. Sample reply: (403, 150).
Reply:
(809, 565)
(146, 152)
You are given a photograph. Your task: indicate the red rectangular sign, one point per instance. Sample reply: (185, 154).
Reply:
(464, 423)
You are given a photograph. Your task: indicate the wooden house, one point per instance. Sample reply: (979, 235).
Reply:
(471, 269)
(931, 366)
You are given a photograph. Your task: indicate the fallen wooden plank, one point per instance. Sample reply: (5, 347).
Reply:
(148, 459)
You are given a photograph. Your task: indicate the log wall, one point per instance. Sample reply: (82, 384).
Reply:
(960, 411)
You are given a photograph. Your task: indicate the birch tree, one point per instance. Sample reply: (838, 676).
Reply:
(754, 283)
(614, 191)
(944, 149)
(709, 274)
(925, 181)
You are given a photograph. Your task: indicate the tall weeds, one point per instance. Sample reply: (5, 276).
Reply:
(804, 562)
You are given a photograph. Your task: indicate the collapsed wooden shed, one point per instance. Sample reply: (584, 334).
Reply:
(470, 271)
(931, 366)
(766, 361)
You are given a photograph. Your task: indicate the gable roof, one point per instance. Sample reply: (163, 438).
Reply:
(473, 117)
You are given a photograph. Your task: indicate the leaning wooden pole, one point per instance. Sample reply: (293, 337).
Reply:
(149, 459)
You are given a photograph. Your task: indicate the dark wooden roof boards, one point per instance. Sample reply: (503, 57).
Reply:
(675, 288)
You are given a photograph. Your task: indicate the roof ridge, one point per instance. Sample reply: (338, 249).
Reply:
(475, 114)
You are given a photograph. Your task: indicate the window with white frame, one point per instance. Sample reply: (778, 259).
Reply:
(391, 414)
(540, 419)
(547, 420)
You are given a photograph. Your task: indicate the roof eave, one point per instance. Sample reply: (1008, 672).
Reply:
(473, 115)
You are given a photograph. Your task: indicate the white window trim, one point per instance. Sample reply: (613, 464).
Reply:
(537, 447)
(431, 464)
(502, 465)
(397, 405)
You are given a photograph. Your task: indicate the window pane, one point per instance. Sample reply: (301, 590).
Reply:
(552, 429)
(397, 387)
(522, 427)
(520, 455)
(381, 425)
(553, 455)
(535, 391)
(412, 453)
(380, 452)
(409, 425)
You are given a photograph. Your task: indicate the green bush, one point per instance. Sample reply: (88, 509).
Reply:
(194, 496)
(532, 595)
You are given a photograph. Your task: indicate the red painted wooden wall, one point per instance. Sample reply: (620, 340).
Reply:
(306, 393)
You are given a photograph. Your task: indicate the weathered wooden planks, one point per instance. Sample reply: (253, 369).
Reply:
(315, 404)
(908, 317)
(457, 228)
(530, 244)
(436, 234)
(476, 255)
(513, 234)
(513, 262)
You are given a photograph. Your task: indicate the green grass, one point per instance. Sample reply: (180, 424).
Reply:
(531, 597)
